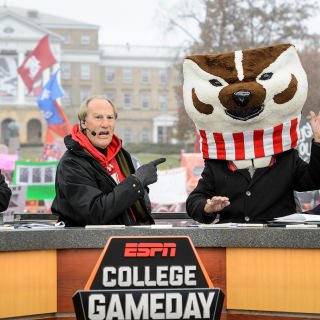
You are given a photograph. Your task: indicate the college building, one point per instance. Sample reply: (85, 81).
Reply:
(140, 80)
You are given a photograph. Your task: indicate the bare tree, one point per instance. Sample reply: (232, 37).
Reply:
(223, 25)
(311, 62)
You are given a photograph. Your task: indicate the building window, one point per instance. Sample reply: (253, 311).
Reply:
(84, 94)
(109, 75)
(8, 74)
(163, 101)
(65, 71)
(127, 100)
(144, 135)
(67, 39)
(162, 135)
(85, 40)
(163, 76)
(85, 71)
(127, 136)
(145, 100)
(111, 95)
(66, 99)
(127, 75)
(5, 132)
(145, 76)
(34, 131)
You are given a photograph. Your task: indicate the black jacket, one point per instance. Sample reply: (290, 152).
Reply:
(5, 194)
(267, 195)
(86, 194)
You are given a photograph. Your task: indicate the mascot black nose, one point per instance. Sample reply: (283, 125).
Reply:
(241, 97)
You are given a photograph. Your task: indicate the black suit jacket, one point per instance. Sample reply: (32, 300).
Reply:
(87, 194)
(267, 195)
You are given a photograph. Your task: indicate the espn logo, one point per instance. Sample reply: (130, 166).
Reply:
(146, 249)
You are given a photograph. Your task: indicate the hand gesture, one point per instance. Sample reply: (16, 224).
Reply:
(315, 125)
(216, 204)
(147, 173)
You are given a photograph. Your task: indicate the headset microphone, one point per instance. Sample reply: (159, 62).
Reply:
(93, 133)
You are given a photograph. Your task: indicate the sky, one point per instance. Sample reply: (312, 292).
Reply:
(138, 22)
(121, 21)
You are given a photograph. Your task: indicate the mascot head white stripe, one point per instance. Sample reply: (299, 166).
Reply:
(244, 93)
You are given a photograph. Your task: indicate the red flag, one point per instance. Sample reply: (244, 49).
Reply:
(53, 147)
(36, 61)
(49, 137)
(64, 128)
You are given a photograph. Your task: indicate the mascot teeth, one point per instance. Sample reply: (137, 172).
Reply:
(244, 115)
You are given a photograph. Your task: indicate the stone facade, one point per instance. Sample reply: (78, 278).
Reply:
(140, 80)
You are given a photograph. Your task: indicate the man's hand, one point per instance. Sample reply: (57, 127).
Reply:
(216, 204)
(147, 173)
(315, 125)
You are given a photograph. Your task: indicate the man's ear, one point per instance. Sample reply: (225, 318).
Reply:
(81, 123)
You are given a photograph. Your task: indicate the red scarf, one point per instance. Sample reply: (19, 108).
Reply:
(250, 144)
(108, 161)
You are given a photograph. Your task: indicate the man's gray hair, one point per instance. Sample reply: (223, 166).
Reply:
(83, 110)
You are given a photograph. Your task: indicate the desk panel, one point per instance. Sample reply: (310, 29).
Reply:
(28, 283)
(278, 280)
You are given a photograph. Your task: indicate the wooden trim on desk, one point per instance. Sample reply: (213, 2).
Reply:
(74, 269)
(214, 261)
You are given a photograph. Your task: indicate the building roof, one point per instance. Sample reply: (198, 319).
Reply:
(44, 19)
(136, 51)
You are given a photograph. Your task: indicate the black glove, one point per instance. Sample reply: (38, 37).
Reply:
(147, 173)
(148, 202)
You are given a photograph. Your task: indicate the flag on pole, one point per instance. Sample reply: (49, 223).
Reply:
(49, 93)
(50, 108)
(53, 147)
(36, 61)
(64, 128)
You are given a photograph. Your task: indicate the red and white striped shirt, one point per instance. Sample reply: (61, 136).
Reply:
(250, 144)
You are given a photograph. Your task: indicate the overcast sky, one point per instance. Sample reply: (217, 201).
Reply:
(120, 21)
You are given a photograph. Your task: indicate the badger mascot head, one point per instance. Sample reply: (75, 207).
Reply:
(246, 104)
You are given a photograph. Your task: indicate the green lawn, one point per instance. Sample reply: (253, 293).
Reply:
(173, 160)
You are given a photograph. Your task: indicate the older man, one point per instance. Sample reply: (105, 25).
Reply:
(96, 182)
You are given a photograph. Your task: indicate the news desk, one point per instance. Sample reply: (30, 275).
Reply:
(265, 273)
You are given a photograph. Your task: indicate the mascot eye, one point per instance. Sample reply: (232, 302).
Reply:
(266, 76)
(215, 83)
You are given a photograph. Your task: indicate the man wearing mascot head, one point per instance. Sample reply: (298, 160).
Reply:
(246, 106)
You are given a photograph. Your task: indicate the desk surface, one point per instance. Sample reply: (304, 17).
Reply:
(75, 238)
